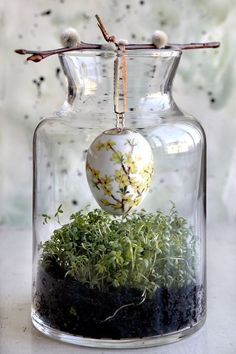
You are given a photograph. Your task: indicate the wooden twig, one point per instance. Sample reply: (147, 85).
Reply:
(106, 36)
(186, 46)
(37, 56)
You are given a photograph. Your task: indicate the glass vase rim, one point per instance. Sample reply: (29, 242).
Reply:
(131, 53)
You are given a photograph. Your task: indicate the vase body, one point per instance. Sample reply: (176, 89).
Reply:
(143, 281)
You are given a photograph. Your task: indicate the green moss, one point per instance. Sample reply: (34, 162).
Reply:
(142, 250)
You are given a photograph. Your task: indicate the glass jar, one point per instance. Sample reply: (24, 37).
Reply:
(110, 281)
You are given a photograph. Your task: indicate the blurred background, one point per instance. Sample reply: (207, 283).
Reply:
(204, 85)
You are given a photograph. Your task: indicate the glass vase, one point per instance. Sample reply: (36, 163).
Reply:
(104, 280)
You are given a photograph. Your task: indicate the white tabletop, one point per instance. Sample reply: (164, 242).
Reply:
(17, 336)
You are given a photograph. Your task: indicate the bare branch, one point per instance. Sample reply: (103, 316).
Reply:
(106, 35)
(37, 56)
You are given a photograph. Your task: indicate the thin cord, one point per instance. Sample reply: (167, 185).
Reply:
(116, 86)
(120, 118)
(124, 76)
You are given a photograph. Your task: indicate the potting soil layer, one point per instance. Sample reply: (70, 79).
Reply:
(66, 304)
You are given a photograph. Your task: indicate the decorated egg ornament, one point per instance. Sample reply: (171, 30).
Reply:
(119, 169)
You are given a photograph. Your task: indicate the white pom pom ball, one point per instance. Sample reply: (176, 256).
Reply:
(109, 46)
(123, 41)
(70, 37)
(159, 39)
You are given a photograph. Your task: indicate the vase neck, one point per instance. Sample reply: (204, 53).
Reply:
(150, 76)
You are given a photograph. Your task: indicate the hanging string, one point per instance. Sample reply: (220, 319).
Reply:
(120, 63)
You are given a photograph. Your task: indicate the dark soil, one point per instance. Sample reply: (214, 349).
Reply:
(67, 305)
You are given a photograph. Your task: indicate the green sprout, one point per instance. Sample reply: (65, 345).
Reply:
(47, 218)
(142, 250)
(57, 214)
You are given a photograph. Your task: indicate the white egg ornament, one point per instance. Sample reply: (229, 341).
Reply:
(119, 169)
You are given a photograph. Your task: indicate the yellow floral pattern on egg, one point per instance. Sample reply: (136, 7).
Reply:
(119, 170)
